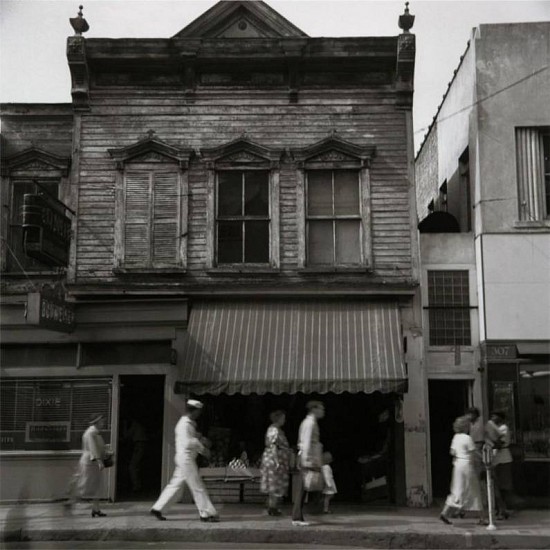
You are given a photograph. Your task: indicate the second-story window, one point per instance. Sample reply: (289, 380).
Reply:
(243, 217)
(449, 308)
(151, 218)
(333, 218)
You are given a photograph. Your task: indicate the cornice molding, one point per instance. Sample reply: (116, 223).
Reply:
(36, 156)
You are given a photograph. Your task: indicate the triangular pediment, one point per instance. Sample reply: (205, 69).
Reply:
(37, 160)
(241, 151)
(237, 19)
(335, 149)
(150, 149)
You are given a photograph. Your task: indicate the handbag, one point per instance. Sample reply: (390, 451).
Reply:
(108, 461)
(313, 481)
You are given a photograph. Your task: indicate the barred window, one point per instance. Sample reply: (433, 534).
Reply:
(449, 308)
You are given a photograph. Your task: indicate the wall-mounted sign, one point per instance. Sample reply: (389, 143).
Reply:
(498, 352)
(46, 230)
(40, 432)
(49, 311)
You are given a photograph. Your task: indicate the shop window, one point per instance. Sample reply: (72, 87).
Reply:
(51, 414)
(534, 406)
(449, 308)
(16, 258)
(243, 217)
(333, 218)
(533, 173)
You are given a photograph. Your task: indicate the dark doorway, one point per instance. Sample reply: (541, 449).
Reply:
(448, 399)
(139, 457)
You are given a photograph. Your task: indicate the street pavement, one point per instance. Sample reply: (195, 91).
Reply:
(348, 526)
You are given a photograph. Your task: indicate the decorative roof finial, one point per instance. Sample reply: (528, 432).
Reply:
(79, 24)
(406, 21)
(151, 134)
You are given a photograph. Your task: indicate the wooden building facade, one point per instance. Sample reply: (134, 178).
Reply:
(243, 230)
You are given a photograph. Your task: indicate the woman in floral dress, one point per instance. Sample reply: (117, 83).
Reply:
(275, 463)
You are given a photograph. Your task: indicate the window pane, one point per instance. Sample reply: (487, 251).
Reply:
(256, 194)
(346, 192)
(230, 198)
(320, 243)
(230, 242)
(319, 193)
(256, 243)
(534, 403)
(348, 242)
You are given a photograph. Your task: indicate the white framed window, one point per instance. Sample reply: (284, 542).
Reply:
(533, 173)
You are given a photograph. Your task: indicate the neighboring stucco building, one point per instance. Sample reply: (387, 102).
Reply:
(483, 195)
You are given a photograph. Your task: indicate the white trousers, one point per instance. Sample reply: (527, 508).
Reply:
(187, 472)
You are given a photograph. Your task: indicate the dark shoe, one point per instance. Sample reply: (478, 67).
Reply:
(157, 514)
(483, 522)
(444, 519)
(210, 519)
(98, 514)
(461, 514)
(327, 511)
(274, 512)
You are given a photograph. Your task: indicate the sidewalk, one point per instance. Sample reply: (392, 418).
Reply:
(373, 527)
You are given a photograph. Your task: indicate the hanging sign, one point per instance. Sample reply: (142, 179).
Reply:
(46, 230)
(49, 311)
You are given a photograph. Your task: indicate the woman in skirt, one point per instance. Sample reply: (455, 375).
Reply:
(87, 481)
(275, 463)
(465, 491)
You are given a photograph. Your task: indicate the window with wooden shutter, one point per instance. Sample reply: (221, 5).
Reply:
(152, 215)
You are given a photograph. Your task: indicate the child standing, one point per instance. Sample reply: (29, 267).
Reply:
(330, 487)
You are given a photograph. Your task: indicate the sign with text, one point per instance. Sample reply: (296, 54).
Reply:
(499, 352)
(49, 311)
(46, 230)
(40, 432)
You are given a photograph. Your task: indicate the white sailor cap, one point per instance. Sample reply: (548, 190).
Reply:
(193, 403)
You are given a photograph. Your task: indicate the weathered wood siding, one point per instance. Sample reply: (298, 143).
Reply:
(120, 116)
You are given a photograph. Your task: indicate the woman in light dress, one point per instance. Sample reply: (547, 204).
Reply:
(465, 492)
(275, 463)
(87, 481)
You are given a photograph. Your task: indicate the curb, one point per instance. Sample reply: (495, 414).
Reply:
(356, 537)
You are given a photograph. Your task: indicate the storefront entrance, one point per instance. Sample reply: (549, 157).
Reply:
(359, 430)
(448, 400)
(140, 437)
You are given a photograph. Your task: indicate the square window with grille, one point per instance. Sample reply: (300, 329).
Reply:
(243, 217)
(449, 308)
(333, 218)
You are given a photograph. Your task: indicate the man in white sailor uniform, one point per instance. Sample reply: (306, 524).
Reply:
(188, 446)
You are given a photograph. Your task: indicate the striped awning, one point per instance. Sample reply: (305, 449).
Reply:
(289, 347)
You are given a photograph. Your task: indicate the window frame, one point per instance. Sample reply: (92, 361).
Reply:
(31, 165)
(334, 153)
(451, 309)
(155, 157)
(334, 218)
(243, 155)
(243, 218)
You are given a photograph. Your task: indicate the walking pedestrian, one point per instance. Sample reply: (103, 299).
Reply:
(87, 480)
(465, 492)
(275, 463)
(477, 433)
(502, 462)
(188, 446)
(329, 489)
(310, 451)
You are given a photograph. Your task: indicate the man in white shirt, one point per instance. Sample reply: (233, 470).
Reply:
(310, 456)
(188, 445)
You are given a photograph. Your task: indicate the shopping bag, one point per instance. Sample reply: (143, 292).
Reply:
(313, 481)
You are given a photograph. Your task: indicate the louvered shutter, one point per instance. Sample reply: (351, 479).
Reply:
(137, 216)
(166, 214)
